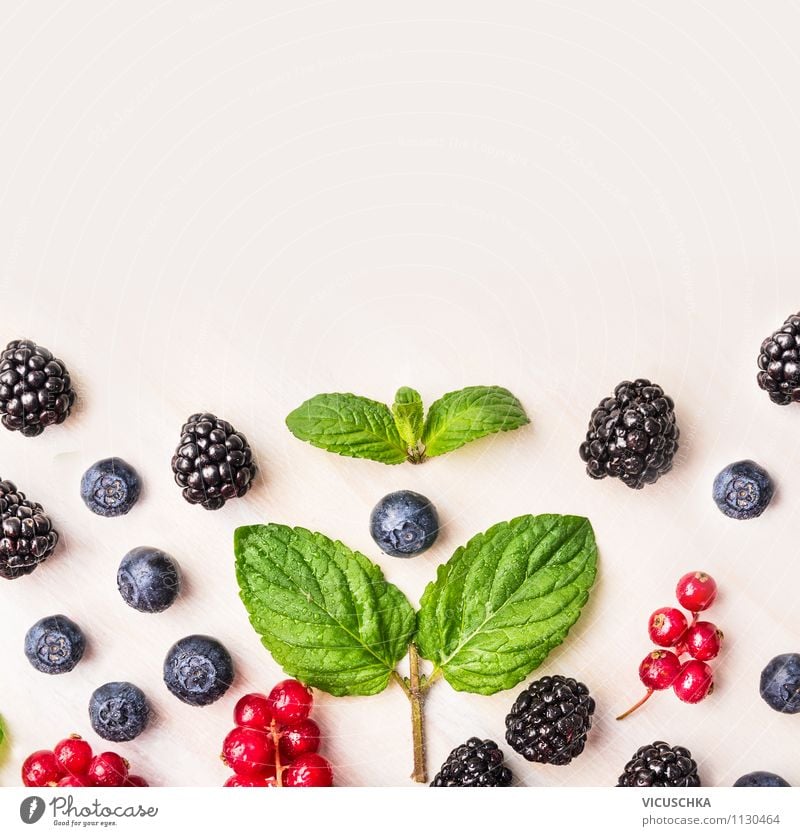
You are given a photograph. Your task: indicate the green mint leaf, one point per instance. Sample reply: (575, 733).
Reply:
(471, 413)
(506, 599)
(2, 731)
(350, 426)
(408, 415)
(325, 613)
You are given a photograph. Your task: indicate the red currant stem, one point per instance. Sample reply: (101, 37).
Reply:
(639, 704)
(417, 698)
(276, 741)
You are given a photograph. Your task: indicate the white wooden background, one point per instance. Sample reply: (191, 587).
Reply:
(232, 206)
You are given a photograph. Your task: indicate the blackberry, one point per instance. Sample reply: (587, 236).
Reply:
(632, 435)
(660, 765)
(35, 388)
(213, 462)
(550, 719)
(779, 363)
(27, 537)
(476, 763)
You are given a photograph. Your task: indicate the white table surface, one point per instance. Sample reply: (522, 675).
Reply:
(232, 206)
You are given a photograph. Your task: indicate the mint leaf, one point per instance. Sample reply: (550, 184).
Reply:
(408, 415)
(350, 426)
(506, 599)
(2, 731)
(471, 413)
(325, 613)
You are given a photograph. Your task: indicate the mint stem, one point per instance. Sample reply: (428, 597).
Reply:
(416, 453)
(417, 698)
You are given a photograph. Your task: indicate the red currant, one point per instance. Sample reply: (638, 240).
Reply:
(290, 701)
(703, 641)
(694, 682)
(250, 781)
(248, 751)
(300, 739)
(252, 711)
(659, 669)
(107, 769)
(74, 754)
(135, 781)
(310, 770)
(667, 626)
(74, 781)
(41, 769)
(696, 591)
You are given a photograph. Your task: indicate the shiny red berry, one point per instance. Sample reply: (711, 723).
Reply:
(250, 781)
(310, 770)
(249, 751)
(696, 591)
(252, 711)
(74, 781)
(667, 626)
(74, 754)
(107, 769)
(703, 641)
(299, 739)
(135, 781)
(290, 702)
(659, 669)
(694, 682)
(41, 769)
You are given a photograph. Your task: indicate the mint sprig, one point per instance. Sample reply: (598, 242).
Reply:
(351, 425)
(495, 611)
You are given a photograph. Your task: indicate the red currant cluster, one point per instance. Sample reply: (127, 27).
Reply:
(692, 680)
(275, 742)
(71, 763)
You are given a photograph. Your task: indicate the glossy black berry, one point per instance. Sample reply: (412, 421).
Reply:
(35, 388)
(550, 719)
(148, 579)
(404, 524)
(632, 435)
(779, 363)
(54, 644)
(110, 487)
(476, 763)
(119, 711)
(213, 462)
(198, 670)
(660, 765)
(26, 534)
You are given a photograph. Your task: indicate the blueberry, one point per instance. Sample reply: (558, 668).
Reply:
(54, 644)
(110, 487)
(404, 523)
(761, 779)
(198, 670)
(743, 490)
(148, 579)
(780, 683)
(119, 711)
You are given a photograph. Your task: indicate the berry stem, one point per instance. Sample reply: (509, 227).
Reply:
(417, 698)
(276, 740)
(639, 704)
